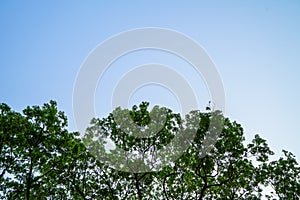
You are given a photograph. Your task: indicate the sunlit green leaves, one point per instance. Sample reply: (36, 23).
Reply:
(40, 159)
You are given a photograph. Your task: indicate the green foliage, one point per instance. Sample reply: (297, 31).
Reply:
(33, 148)
(40, 159)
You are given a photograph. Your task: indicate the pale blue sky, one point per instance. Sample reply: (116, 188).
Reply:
(254, 44)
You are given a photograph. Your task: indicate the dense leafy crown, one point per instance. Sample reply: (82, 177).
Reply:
(40, 159)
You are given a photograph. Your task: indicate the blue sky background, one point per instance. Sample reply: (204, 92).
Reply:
(254, 44)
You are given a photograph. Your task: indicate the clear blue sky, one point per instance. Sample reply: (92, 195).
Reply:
(254, 44)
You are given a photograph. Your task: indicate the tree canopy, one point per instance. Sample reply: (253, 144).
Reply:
(41, 159)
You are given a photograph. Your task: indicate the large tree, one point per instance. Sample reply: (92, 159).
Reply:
(40, 159)
(34, 146)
